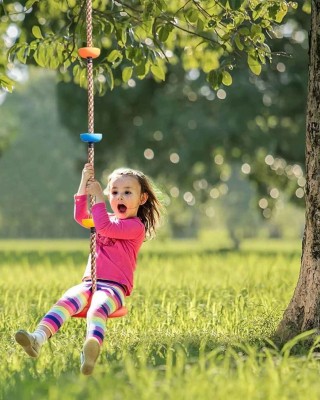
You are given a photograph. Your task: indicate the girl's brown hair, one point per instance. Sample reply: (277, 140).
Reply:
(150, 212)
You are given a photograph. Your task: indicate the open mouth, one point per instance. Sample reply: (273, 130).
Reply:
(122, 208)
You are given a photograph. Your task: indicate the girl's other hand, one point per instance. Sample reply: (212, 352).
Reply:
(93, 188)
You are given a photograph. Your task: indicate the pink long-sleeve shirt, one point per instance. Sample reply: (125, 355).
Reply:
(117, 244)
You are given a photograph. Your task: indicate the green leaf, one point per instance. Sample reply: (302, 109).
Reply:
(191, 16)
(255, 29)
(163, 33)
(37, 32)
(40, 56)
(215, 79)
(22, 53)
(161, 4)
(254, 64)
(226, 78)
(12, 52)
(152, 56)
(278, 11)
(83, 77)
(137, 56)
(307, 7)
(108, 28)
(76, 70)
(265, 23)
(141, 70)
(262, 57)
(30, 3)
(130, 53)
(238, 19)
(124, 37)
(235, 4)
(259, 11)
(6, 83)
(121, 35)
(158, 72)
(149, 9)
(244, 31)
(266, 49)
(238, 43)
(109, 78)
(52, 57)
(126, 74)
(114, 55)
(282, 12)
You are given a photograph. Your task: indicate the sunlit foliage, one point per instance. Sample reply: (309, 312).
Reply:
(142, 37)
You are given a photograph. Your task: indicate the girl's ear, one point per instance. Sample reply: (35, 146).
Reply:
(143, 198)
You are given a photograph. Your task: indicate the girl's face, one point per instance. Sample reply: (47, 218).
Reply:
(125, 196)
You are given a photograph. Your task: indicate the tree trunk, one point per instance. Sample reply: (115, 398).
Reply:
(303, 312)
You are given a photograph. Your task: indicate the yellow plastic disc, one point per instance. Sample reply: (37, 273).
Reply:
(88, 223)
(89, 52)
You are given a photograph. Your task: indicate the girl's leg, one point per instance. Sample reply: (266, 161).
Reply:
(73, 301)
(104, 302)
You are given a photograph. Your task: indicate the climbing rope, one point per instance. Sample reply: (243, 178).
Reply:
(91, 145)
(89, 53)
(90, 69)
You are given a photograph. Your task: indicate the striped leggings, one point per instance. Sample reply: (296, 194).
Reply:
(106, 300)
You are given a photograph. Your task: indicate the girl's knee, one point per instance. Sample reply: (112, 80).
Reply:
(97, 312)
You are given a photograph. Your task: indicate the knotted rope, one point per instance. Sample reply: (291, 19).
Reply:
(91, 130)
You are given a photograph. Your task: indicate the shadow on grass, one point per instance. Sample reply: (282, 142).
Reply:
(156, 362)
(57, 256)
(196, 349)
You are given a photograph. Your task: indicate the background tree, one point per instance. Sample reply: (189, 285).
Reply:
(303, 312)
(145, 36)
(38, 172)
(191, 137)
(146, 39)
(191, 129)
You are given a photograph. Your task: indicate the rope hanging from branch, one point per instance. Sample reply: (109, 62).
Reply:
(91, 145)
(89, 53)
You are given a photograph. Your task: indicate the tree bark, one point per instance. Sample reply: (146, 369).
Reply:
(303, 311)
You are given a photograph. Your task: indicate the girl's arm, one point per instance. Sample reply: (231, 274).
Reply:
(80, 208)
(80, 200)
(130, 228)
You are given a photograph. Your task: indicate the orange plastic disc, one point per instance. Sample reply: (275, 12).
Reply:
(88, 223)
(121, 312)
(89, 52)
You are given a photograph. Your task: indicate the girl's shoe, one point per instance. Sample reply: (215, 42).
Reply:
(28, 342)
(89, 355)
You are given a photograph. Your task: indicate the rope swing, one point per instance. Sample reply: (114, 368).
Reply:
(89, 53)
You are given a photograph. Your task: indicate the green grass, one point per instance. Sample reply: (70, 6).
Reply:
(198, 326)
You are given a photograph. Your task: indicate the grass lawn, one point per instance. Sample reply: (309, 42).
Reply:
(199, 325)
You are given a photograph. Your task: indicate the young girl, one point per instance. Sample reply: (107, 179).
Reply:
(119, 236)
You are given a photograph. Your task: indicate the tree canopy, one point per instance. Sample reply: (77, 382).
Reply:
(141, 37)
(193, 48)
(192, 136)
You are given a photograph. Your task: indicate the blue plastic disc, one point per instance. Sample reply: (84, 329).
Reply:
(91, 137)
